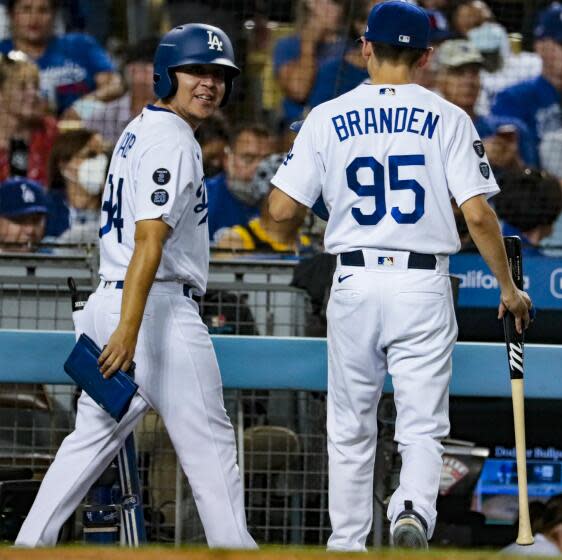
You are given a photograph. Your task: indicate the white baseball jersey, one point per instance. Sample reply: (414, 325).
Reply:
(156, 171)
(387, 160)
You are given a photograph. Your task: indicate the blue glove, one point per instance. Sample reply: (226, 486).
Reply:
(114, 395)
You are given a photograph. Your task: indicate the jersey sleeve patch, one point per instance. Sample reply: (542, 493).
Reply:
(161, 176)
(479, 148)
(159, 197)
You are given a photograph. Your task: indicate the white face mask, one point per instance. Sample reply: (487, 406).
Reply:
(91, 174)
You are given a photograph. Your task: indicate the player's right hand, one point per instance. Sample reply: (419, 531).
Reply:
(118, 353)
(519, 303)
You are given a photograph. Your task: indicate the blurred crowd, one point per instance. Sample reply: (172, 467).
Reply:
(66, 99)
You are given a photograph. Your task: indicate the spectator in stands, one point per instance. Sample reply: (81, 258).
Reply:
(426, 75)
(469, 14)
(537, 102)
(501, 67)
(507, 140)
(550, 151)
(77, 169)
(232, 197)
(109, 119)
(296, 58)
(528, 205)
(23, 207)
(27, 133)
(70, 65)
(262, 233)
(548, 538)
(213, 136)
(337, 75)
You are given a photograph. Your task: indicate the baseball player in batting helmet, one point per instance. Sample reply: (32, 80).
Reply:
(386, 158)
(154, 256)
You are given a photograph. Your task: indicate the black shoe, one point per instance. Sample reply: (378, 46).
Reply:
(410, 530)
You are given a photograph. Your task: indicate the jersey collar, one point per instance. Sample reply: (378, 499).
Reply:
(151, 107)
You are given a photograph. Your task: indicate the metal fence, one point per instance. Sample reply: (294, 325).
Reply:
(281, 441)
(280, 434)
(246, 297)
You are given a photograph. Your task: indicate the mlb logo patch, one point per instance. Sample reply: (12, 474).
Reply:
(385, 261)
(387, 91)
(404, 38)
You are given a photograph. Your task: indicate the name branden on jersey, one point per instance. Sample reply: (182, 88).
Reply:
(390, 120)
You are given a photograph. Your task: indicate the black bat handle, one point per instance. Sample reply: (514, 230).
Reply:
(514, 341)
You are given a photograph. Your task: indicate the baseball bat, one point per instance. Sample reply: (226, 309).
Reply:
(515, 350)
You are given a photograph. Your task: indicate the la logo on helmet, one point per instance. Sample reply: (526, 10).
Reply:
(214, 42)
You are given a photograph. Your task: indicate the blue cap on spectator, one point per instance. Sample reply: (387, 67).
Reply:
(20, 196)
(398, 23)
(549, 25)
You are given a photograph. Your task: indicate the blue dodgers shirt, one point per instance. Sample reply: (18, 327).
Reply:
(536, 102)
(287, 50)
(488, 125)
(335, 77)
(225, 210)
(68, 67)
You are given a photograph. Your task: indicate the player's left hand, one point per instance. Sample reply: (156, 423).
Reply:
(519, 303)
(118, 353)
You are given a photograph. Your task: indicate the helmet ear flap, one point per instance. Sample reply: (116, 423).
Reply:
(173, 82)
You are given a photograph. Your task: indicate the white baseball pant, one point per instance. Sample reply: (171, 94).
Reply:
(178, 376)
(386, 318)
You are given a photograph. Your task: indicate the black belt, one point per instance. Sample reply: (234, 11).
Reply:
(415, 260)
(187, 289)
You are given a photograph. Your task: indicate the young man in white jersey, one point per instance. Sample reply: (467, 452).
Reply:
(386, 158)
(154, 257)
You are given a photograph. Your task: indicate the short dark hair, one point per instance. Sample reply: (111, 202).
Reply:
(254, 128)
(12, 4)
(215, 127)
(528, 199)
(397, 55)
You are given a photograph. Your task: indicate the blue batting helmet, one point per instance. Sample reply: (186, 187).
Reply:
(192, 43)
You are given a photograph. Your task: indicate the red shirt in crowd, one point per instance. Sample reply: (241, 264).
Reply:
(40, 146)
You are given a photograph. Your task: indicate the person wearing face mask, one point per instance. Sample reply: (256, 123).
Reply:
(262, 234)
(77, 169)
(232, 196)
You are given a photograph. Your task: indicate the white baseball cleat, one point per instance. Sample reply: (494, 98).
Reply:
(409, 532)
